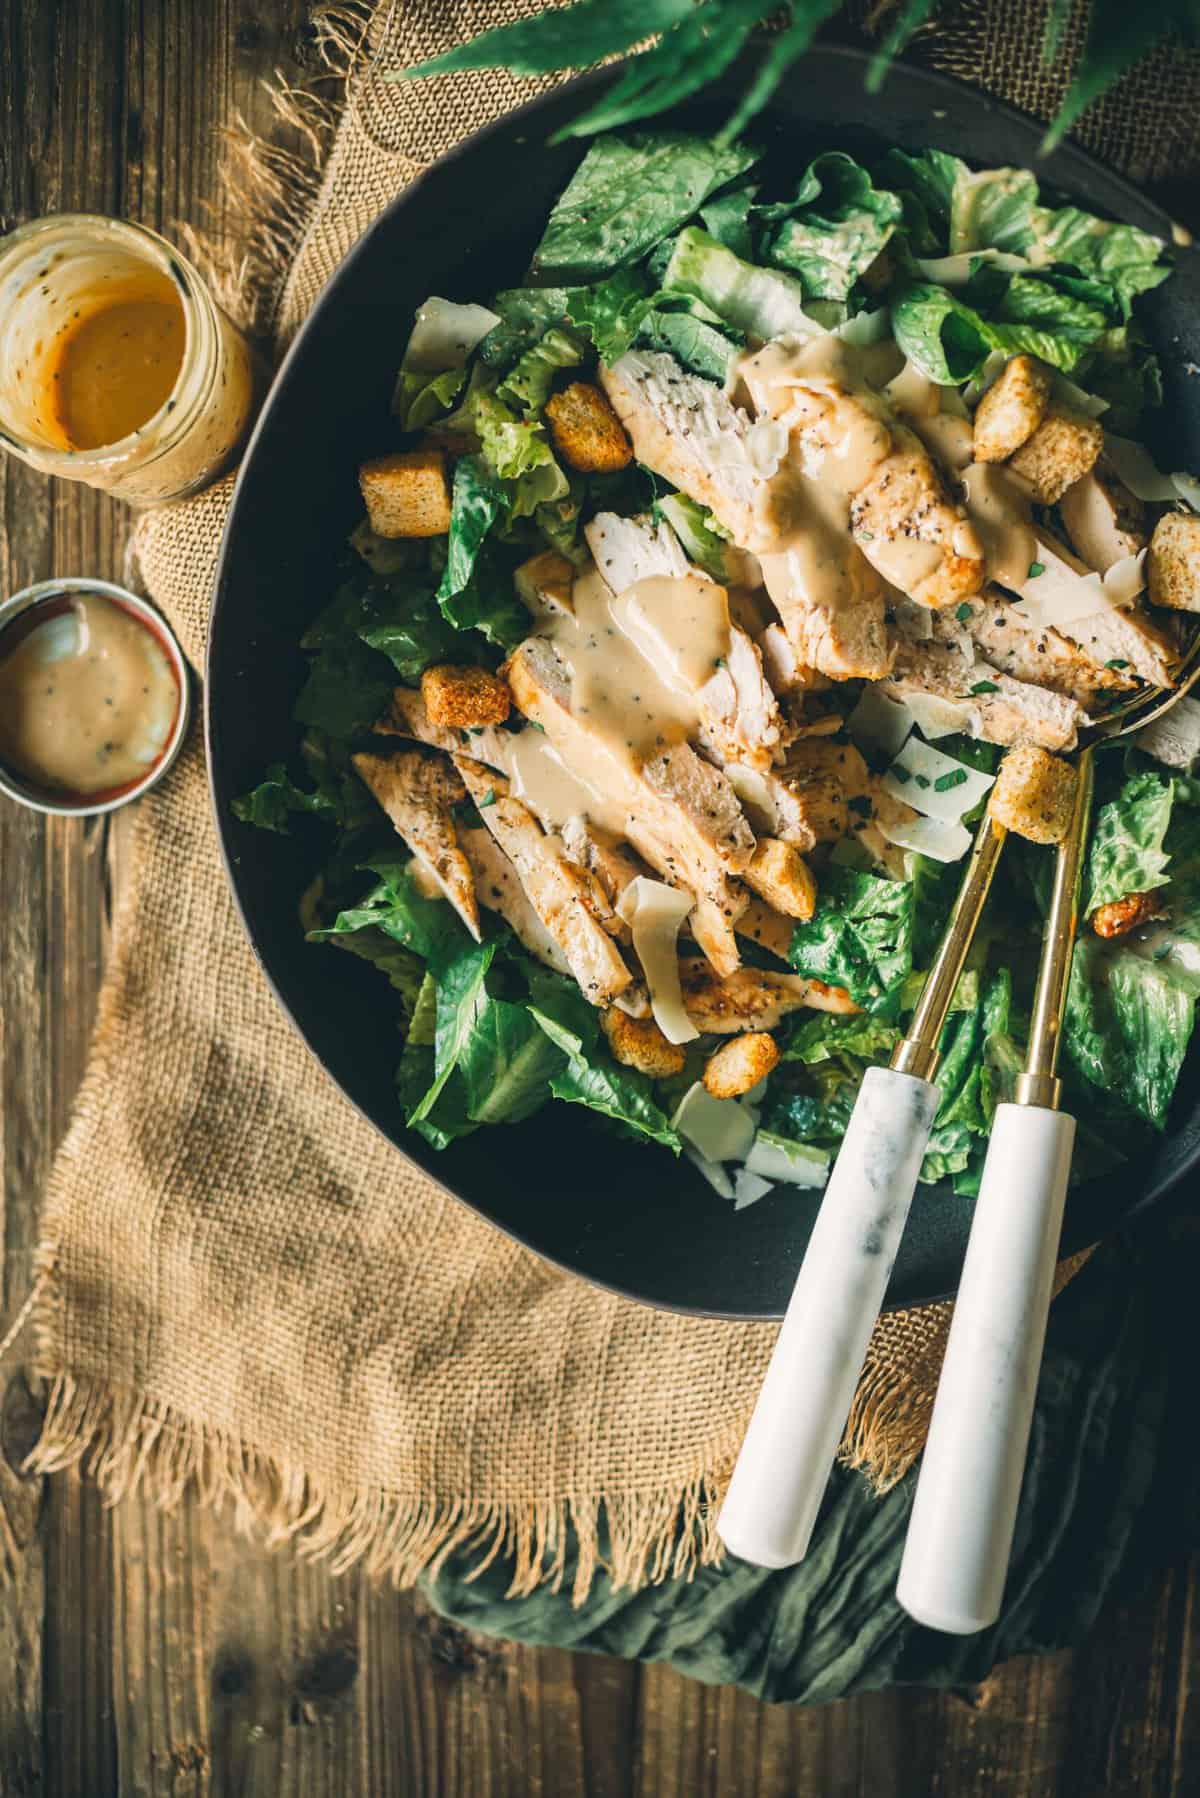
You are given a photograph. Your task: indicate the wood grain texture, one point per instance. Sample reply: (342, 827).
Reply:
(149, 1654)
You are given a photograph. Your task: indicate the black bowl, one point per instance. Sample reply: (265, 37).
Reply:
(628, 1217)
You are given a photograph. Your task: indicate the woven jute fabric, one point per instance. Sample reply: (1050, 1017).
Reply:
(246, 1289)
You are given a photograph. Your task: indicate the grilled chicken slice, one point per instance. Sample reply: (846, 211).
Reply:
(766, 927)
(684, 428)
(605, 856)
(1104, 520)
(739, 715)
(846, 435)
(713, 930)
(783, 667)
(498, 886)
(406, 717)
(416, 791)
(1124, 634)
(824, 777)
(977, 698)
(1007, 639)
(560, 893)
(687, 430)
(681, 814)
(751, 999)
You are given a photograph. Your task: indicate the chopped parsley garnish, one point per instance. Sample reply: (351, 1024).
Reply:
(860, 805)
(900, 774)
(866, 536)
(1036, 568)
(963, 613)
(922, 780)
(489, 798)
(985, 686)
(534, 725)
(1117, 662)
(956, 777)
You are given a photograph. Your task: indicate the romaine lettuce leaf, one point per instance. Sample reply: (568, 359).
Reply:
(831, 238)
(347, 688)
(1128, 1024)
(697, 345)
(526, 314)
(611, 311)
(860, 937)
(696, 528)
(823, 1036)
(1127, 853)
(727, 218)
(429, 927)
(928, 178)
(629, 193)
(421, 397)
(592, 1078)
(950, 341)
(527, 384)
(761, 302)
(272, 804)
(475, 592)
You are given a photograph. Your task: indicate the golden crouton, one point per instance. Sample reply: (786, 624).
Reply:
(1034, 794)
(779, 874)
(464, 698)
(1012, 409)
(1125, 914)
(544, 584)
(740, 1064)
(1174, 562)
(407, 494)
(587, 432)
(1061, 451)
(639, 1043)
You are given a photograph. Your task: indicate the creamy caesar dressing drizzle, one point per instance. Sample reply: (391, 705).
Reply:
(638, 662)
(1002, 519)
(88, 698)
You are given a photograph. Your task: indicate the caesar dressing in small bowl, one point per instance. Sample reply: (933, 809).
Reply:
(94, 698)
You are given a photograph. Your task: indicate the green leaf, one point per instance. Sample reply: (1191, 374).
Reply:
(727, 218)
(1128, 1024)
(694, 525)
(526, 314)
(860, 937)
(698, 346)
(1127, 853)
(477, 501)
(823, 1036)
(611, 312)
(834, 239)
(527, 384)
(783, 50)
(950, 341)
(929, 178)
(346, 690)
(629, 193)
(616, 1092)
(911, 16)
(761, 302)
(461, 997)
(420, 397)
(431, 928)
(571, 38)
(506, 1063)
(405, 971)
(272, 804)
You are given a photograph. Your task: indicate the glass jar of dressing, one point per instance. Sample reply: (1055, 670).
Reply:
(94, 697)
(117, 367)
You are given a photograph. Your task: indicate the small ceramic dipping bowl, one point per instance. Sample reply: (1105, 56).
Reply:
(26, 613)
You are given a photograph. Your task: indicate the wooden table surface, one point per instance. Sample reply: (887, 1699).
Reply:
(146, 1653)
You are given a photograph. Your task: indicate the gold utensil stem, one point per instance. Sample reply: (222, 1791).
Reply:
(1039, 1084)
(918, 1053)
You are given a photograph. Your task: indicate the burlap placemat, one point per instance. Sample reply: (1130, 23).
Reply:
(242, 1286)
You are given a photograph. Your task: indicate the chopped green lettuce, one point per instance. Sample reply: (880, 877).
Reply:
(429, 927)
(611, 312)
(527, 384)
(696, 528)
(839, 228)
(699, 346)
(272, 804)
(1127, 853)
(761, 302)
(949, 341)
(592, 1078)
(1128, 1024)
(629, 193)
(526, 314)
(860, 937)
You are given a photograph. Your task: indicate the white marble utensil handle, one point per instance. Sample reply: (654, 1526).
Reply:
(789, 1448)
(960, 1534)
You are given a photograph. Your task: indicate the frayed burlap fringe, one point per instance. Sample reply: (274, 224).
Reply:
(127, 1444)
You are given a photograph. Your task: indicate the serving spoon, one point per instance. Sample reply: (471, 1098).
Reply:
(972, 1470)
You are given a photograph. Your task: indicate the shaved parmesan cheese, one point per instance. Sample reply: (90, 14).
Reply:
(444, 334)
(719, 1128)
(775, 1158)
(712, 1171)
(876, 722)
(956, 271)
(654, 911)
(748, 1188)
(938, 717)
(1174, 739)
(1064, 591)
(1068, 394)
(766, 446)
(1136, 468)
(937, 838)
(934, 784)
(865, 328)
(751, 788)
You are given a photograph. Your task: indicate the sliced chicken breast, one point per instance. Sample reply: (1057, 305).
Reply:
(751, 999)
(417, 791)
(406, 717)
(973, 696)
(559, 891)
(1006, 638)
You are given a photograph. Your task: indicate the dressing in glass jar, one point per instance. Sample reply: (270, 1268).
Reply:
(117, 367)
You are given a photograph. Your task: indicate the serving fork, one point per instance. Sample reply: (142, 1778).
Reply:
(960, 1535)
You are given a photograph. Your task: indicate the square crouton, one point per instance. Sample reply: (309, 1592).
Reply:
(545, 584)
(407, 494)
(1012, 409)
(462, 698)
(1062, 450)
(1034, 794)
(1174, 562)
(587, 432)
(639, 1043)
(740, 1064)
(779, 874)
